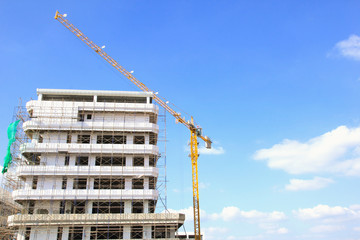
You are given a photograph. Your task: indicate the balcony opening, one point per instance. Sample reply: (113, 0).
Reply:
(152, 161)
(31, 207)
(138, 161)
(139, 139)
(81, 117)
(109, 183)
(88, 116)
(83, 139)
(152, 182)
(78, 207)
(160, 232)
(62, 207)
(152, 138)
(111, 139)
(137, 207)
(106, 232)
(82, 161)
(136, 232)
(75, 233)
(80, 183)
(34, 159)
(105, 207)
(121, 99)
(64, 183)
(153, 118)
(34, 182)
(137, 183)
(67, 160)
(27, 233)
(152, 205)
(110, 161)
(59, 233)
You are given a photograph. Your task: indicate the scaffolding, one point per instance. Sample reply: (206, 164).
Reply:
(87, 165)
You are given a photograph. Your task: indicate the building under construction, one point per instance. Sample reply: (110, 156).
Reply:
(90, 169)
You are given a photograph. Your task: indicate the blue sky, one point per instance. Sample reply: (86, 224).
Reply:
(275, 84)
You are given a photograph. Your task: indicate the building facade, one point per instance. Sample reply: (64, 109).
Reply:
(90, 170)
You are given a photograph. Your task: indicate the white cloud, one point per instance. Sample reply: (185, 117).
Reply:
(282, 230)
(234, 213)
(337, 151)
(357, 229)
(214, 232)
(350, 47)
(189, 214)
(311, 184)
(203, 185)
(326, 228)
(325, 212)
(211, 151)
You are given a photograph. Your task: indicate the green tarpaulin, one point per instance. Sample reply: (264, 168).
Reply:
(11, 132)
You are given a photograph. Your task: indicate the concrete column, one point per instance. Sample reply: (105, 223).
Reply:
(129, 139)
(65, 234)
(74, 137)
(147, 139)
(95, 98)
(89, 206)
(28, 183)
(126, 232)
(93, 139)
(127, 207)
(40, 97)
(70, 183)
(146, 161)
(35, 138)
(86, 233)
(91, 183)
(129, 161)
(128, 183)
(147, 232)
(92, 160)
(146, 183)
(72, 160)
(67, 208)
(21, 233)
(146, 206)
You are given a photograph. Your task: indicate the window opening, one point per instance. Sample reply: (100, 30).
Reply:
(136, 232)
(34, 182)
(137, 183)
(139, 139)
(75, 233)
(82, 161)
(106, 232)
(83, 139)
(67, 160)
(111, 139)
(80, 183)
(138, 161)
(64, 183)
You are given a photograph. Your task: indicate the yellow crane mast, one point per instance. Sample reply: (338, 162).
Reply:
(195, 131)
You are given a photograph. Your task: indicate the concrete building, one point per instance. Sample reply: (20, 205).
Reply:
(90, 171)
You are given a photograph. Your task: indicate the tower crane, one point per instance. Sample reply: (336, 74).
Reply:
(195, 131)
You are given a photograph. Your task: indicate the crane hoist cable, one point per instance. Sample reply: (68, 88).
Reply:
(195, 131)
